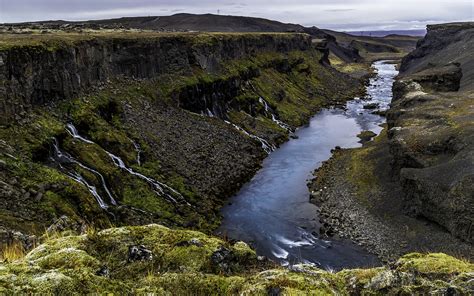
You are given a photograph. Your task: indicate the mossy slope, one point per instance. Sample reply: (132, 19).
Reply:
(185, 262)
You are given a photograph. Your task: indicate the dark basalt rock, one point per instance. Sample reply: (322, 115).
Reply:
(139, 253)
(371, 106)
(445, 78)
(222, 258)
(103, 271)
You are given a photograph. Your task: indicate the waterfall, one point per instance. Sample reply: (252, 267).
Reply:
(265, 145)
(280, 123)
(63, 157)
(71, 129)
(92, 189)
(274, 119)
(209, 113)
(160, 188)
(264, 103)
(139, 151)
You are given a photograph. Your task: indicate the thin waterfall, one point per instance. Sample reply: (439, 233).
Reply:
(71, 129)
(139, 151)
(62, 157)
(265, 145)
(274, 119)
(92, 189)
(264, 103)
(160, 188)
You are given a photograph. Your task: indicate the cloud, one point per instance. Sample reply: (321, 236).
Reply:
(334, 14)
(339, 9)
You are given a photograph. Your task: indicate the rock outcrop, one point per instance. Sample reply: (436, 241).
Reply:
(431, 128)
(444, 44)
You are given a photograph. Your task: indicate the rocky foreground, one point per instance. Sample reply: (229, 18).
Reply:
(156, 259)
(411, 189)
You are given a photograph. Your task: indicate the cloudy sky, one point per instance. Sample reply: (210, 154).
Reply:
(333, 14)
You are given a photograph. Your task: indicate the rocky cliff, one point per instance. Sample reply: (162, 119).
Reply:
(444, 44)
(431, 128)
(58, 69)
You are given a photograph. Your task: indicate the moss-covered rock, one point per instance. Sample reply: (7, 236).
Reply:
(184, 262)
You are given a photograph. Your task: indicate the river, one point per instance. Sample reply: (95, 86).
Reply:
(272, 212)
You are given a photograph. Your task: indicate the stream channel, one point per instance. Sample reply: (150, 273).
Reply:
(272, 212)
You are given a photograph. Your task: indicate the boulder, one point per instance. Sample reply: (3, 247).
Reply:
(139, 253)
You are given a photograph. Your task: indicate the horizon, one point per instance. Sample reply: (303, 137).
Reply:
(333, 15)
(143, 16)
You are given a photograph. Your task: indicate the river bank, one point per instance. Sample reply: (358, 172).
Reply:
(359, 199)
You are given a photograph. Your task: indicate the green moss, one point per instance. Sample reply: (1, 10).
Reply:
(361, 168)
(361, 171)
(141, 196)
(182, 264)
(434, 263)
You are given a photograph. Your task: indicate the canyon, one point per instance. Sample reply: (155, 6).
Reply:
(121, 142)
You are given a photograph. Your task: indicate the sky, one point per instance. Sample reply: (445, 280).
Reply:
(331, 14)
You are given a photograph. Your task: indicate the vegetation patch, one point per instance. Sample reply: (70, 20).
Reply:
(190, 262)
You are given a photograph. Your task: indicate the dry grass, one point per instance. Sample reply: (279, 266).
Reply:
(12, 252)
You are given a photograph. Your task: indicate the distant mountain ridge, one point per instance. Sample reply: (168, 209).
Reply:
(182, 22)
(385, 33)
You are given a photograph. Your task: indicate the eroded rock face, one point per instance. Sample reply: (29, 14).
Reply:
(444, 78)
(442, 45)
(431, 130)
(44, 73)
(431, 140)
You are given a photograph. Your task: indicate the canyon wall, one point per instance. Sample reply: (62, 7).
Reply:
(58, 69)
(431, 128)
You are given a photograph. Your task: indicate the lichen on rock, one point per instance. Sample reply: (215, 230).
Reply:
(76, 264)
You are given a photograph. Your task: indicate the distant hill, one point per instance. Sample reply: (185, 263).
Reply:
(383, 33)
(182, 22)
